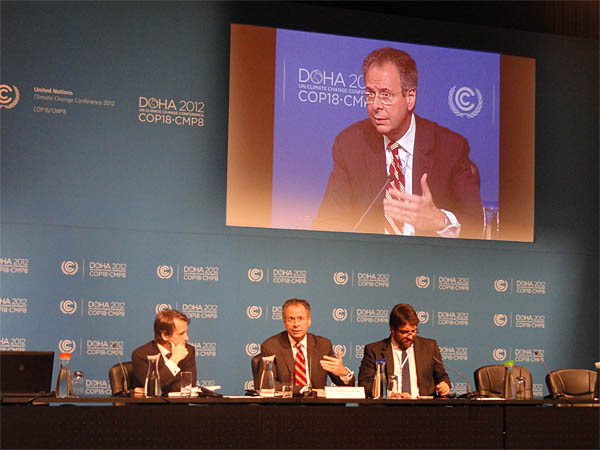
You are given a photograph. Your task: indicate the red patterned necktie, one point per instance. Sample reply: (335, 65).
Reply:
(300, 366)
(397, 181)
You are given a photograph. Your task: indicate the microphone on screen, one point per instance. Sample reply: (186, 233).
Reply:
(387, 180)
(467, 394)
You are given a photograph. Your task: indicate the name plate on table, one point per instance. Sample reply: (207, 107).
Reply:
(344, 392)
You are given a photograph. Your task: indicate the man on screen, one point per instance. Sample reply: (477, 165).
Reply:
(170, 340)
(305, 356)
(432, 186)
(415, 360)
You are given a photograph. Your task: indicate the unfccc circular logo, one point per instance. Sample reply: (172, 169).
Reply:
(252, 349)
(341, 349)
(340, 278)
(422, 281)
(499, 354)
(67, 345)
(249, 385)
(160, 307)
(339, 314)
(254, 311)
(9, 96)
(164, 272)
(69, 267)
(255, 275)
(501, 285)
(423, 316)
(461, 101)
(500, 320)
(68, 307)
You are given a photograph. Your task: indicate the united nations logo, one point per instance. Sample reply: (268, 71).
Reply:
(461, 101)
(339, 314)
(160, 307)
(68, 307)
(69, 267)
(254, 312)
(499, 354)
(340, 278)
(9, 96)
(423, 316)
(422, 281)
(500, 320)
(255, 275)
(252, 349)
(164, 272)
(249, 385)
(341, 349)
(67, 345)
(501, 285)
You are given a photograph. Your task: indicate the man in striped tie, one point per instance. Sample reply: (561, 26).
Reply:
(303, 356)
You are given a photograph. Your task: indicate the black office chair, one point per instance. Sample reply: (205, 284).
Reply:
(572, 384)
(120, 383)
(489, 380)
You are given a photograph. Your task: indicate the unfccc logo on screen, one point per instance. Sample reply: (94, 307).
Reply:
(339, 314)
(252, 349)
(500, 320)
(160, 307)
(254, 312)
(341, 349)
(501, 285)
(68, 307)
(67, 345)
(423, 316)
(164, 272)
(9, 96)
(461, 101)
(340, 278)
(69, 267)
(499, 354)
(422, 281)
(255, 275)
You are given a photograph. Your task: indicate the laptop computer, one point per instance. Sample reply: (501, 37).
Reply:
(25, 373)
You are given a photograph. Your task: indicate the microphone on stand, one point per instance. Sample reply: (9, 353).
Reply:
(125, 392)
(467, 394)
(387, 180)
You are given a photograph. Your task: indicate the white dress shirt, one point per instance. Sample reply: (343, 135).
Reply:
(410, 360)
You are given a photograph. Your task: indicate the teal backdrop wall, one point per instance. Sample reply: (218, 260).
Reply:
(108, 215)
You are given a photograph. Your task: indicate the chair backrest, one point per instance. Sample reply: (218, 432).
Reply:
(117, 379)
(489, 380)
(572, 383)
(255, 363)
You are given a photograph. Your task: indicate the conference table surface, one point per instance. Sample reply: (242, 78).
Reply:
(255, 422)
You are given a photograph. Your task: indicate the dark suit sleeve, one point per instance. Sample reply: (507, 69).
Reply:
(439, 373)
(366, 372)
(336, 212)
(140, 367)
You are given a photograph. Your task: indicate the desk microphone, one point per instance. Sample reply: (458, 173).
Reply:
(387, 180)
(125, 391)
(467, 394)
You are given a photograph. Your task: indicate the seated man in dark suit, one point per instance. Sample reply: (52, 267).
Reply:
(415, 360)
(432, 189)
(307, 357)
(170, 341)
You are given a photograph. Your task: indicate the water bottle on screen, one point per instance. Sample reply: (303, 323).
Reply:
(379, 382)
(152, 384)
(508, 390)
(63, 382)
(267, 380)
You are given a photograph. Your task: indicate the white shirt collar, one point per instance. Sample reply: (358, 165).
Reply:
(408, 140)
(303, 342)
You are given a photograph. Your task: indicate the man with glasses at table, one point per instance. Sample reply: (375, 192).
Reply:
(431, 186)
(415, 360)
(305, 356)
